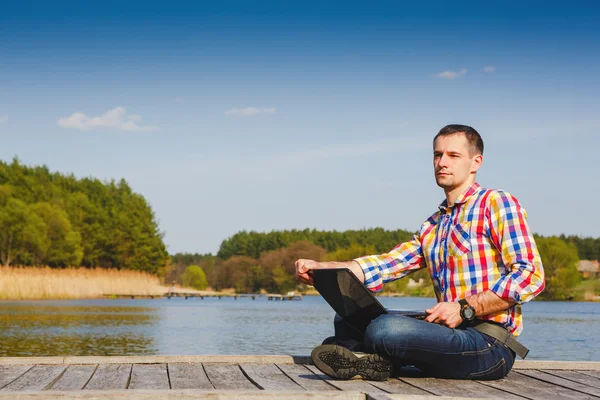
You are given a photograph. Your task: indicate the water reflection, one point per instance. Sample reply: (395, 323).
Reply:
(51, 330)
(73, 344)
(32, 317)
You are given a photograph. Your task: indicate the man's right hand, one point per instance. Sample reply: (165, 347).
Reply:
(304, 270)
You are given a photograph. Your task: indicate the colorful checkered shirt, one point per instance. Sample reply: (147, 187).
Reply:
(481, 243)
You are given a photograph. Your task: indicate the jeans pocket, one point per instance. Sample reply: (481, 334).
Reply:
(460, 240)
(496, 371)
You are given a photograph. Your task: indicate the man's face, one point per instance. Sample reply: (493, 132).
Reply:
(453, 162)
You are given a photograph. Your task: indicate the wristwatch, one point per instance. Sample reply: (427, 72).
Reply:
(466, 311)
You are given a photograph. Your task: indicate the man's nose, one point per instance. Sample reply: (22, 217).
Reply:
(443, 161)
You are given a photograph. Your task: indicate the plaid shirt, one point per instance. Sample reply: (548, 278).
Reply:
(481, 243)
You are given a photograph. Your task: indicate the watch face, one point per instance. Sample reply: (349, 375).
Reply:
(468, 313)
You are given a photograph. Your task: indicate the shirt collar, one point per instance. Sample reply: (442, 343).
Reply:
(471, 190)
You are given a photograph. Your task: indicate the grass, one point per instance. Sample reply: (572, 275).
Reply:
(30, 283)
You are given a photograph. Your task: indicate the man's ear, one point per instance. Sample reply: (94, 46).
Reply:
(476, 163)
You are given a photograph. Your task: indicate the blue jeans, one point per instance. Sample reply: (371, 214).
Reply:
(438, 351)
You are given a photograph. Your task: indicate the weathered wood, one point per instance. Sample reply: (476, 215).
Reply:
(561, 382)
(9, 373)
(110, 376)
(577, 377)
(183, 394)
(228, 377)
(269, 377)
(37, 378)
(568, 365)
(353, 385)
(305, 377)
(462, 388)
(149, 376)
(397, 386)
(528, 387)
(74, 378)
(32, 360)
(595, 374)
(226, 359)
(188, 376)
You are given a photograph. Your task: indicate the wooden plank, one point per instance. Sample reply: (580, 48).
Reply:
(9, 373)
(110, 376)
(74, 378)
(188, 376)
(595, 374)
(561, 382)
(530, 388)
(149, 376)
(397, 386)
(226, 359)
(577, 377)
(185, 394)
(353, 385)
(269, 377)
(462, 388)
(37, 378)
(305, 377)
(228, 377)
(566, 365)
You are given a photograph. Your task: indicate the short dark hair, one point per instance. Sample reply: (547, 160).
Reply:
(473, 137)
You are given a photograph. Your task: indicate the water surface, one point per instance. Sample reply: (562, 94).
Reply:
(553, 330)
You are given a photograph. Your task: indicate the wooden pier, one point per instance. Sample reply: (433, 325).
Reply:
(188, 295)
(270, 377)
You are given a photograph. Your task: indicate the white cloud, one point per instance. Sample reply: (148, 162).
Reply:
(451, 74)
(250, 111)
(3, 118)
(489, 68)
(117, 118)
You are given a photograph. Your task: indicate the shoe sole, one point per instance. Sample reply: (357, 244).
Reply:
(340, 363)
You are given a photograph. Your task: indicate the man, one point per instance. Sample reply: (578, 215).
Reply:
(483, 263)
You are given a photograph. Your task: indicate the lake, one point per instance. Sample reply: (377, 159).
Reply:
(553, 330)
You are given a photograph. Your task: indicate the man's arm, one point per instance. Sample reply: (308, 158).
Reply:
(374, 270)
(484, 303)
(304, 269)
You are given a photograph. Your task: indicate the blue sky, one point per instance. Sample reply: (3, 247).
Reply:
(279, 115)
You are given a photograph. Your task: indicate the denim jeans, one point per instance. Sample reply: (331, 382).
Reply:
(438, 351)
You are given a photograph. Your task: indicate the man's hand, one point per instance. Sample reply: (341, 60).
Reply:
(304, 270)
(447, 314)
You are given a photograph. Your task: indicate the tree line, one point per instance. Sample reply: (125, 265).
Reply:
(273, 269)
(47, 218)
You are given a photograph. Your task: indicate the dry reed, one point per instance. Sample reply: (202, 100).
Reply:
(20, 283)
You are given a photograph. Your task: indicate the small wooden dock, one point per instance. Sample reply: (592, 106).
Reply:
(269, 377)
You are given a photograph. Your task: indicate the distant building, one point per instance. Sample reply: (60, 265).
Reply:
(589, 268)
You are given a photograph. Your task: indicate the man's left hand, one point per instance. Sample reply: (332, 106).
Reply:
(447, 314)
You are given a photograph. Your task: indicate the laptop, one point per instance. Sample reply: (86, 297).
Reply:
(350, 299)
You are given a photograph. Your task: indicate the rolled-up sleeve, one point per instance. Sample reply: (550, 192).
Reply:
(399, 262)
(510, 233)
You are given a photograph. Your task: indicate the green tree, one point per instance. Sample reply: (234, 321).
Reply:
(22, 232)
(560, 261)
(284, 281)
(194, 277)
(355, 250)
(63, 244)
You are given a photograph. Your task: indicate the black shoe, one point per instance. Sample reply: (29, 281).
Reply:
(351, 344)
(340, 363)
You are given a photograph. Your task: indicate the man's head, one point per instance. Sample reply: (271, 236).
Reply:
(457, 155)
